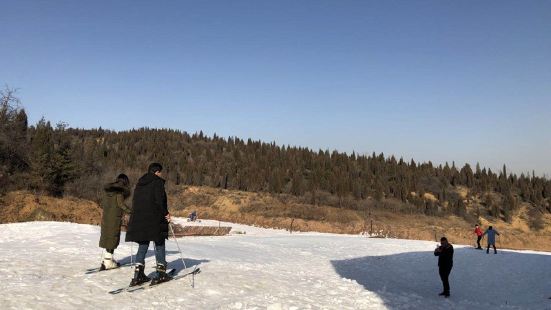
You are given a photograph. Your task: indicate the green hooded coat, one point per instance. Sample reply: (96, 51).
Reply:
(113, 210)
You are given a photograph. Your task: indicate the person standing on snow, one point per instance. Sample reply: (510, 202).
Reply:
(491, 239)
(113, 205)
(149, 222)
(445, 264)
(479, 235)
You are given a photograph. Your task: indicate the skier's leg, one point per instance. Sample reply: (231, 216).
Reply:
(478, 242)
(495, 250)
(112, 251)
(442, 278)
(108, 262)
(160, 253)
(142, 251)
(447, 282)
(488, 249)
(160, 256)
(139, 275)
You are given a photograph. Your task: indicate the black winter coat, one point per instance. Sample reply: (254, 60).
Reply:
(149, 208)
(445, 256)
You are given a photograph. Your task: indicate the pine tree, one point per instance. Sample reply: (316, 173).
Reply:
(62, 168)
(52, 161)
(509, 205)
(42, 151)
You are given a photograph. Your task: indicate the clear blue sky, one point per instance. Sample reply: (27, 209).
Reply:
(434, 80)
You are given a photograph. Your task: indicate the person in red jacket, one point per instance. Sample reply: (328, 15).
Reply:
(479, 235)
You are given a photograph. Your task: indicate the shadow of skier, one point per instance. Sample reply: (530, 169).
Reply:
(179, 266)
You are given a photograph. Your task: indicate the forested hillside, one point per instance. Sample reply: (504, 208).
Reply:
(59, 159)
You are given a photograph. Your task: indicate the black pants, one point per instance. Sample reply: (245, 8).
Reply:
(488, 249)
(444, 272)
(478, 241)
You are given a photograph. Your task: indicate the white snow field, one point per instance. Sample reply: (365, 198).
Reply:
(42, 266)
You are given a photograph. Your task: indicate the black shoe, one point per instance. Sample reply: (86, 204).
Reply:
(442, 294)
(139, 276)
(162, 276)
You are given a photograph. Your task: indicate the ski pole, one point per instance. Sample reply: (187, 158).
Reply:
(131, 254)
(179, 250)
(181, 255)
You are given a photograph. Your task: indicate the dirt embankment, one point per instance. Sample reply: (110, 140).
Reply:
(266, 210)
(22, 206)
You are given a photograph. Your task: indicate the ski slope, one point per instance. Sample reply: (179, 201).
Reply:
(42, 266)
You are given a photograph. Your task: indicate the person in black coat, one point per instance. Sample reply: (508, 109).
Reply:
(445, 264)
(149, 222)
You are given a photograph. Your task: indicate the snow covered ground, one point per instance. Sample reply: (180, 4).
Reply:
(42, 266)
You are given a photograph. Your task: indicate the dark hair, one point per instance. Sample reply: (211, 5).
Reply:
(155, 167)
(443, 239)
(123, 178)
(490, 227)
(476, 225)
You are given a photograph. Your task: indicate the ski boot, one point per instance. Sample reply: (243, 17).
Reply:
(139, 276)
(108, 262)
(162, 276)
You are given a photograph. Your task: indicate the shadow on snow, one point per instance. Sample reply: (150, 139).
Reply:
(410, 279)
(150, 253)
(179, 266)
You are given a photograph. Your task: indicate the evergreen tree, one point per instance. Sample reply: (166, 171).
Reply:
(42, 148)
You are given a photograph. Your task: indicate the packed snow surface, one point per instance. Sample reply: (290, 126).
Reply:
(43, 264)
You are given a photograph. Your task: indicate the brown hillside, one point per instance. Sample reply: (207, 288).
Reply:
(267, 210)
(22, 206)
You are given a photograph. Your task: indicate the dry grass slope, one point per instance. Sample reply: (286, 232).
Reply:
(22, 206)
(266, 210)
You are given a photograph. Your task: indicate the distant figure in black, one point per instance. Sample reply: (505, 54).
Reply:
(445, 264)
(193, 216)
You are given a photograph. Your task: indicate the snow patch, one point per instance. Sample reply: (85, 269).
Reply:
(44, 264)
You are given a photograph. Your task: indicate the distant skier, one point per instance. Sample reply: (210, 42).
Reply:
(445, 264)
(479, 235)
(149, 222)
(113, 205)
(491, 239)
(192, 216)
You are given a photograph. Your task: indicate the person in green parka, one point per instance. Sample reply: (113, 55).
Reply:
(114, 208)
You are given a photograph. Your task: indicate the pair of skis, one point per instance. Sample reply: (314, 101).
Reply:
(143, 286)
